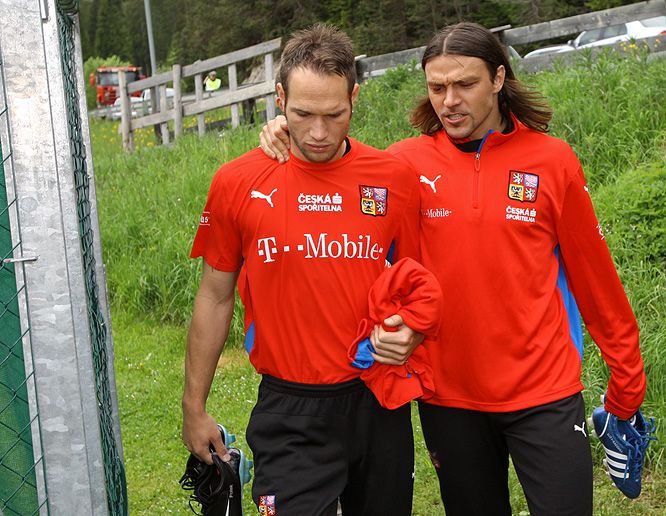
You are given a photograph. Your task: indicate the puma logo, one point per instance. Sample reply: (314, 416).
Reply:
(580, 429)
(254, 194)
(424, 179)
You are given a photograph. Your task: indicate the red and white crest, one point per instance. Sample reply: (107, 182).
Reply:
(374, 200)
(523, 186)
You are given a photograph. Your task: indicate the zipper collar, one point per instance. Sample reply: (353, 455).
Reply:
(467, 146)
(483, 140)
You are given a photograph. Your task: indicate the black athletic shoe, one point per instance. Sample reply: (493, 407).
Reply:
(217, 488)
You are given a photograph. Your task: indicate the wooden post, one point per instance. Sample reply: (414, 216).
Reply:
(233, 85)
(198, 90)
(270, 99)
(155, 108)
(125, 113)
(164, 107)
(177, 103)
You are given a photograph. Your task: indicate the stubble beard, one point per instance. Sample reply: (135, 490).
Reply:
(314, 157)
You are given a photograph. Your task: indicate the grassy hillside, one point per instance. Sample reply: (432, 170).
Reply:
(612, 111)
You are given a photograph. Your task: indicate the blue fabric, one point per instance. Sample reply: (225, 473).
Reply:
(363, 358)
(483, 140)
(391, 252)
(575, 324)
(249, 338)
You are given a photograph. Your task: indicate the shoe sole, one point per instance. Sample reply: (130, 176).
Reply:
(226, 436)
(244, 469)
(245, 465)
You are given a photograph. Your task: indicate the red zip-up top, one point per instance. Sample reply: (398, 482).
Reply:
(510, 233)
(313, 238)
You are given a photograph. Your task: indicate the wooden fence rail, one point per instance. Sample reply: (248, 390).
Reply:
(174, 108)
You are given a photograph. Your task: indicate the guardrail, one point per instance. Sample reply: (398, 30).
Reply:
(174, 108)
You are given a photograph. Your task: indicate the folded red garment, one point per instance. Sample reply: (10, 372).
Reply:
(411, 291)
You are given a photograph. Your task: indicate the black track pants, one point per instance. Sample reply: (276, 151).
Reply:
(313, 445)
(548, 445)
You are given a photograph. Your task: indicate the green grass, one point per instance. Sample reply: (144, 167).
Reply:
(613, 113)
(610, 110)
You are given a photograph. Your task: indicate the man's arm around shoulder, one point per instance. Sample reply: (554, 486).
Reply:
(211, 317)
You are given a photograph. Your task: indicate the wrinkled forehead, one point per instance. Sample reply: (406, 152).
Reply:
(450, 68)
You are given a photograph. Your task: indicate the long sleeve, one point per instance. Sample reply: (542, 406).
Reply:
(601, 298)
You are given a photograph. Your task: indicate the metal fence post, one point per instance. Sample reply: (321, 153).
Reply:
(65, 292)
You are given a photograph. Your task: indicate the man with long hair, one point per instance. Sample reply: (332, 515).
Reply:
(508, 228)
(312, 236)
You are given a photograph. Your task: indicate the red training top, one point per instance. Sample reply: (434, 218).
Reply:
(510, 233)
(313, 238)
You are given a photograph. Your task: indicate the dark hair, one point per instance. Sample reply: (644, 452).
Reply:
(473, 40)
(322, 48)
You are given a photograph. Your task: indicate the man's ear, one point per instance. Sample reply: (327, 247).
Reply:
(498, 82)
(281, 97)
(354, 94)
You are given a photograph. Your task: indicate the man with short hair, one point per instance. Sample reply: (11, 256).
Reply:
(508, 228)
(312, 235)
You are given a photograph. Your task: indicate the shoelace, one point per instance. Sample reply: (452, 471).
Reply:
(637, 451)
(634, 463)
(206, 482)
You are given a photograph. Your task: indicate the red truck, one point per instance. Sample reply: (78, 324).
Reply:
(105, 81)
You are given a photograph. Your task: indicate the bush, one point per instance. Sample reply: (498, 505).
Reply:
(381, 115)
(149, 208)
(633, 210)
(610, 109)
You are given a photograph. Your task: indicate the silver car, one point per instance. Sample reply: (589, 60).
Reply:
(621, 32)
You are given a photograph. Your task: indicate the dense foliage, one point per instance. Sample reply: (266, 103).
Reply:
(185, 31)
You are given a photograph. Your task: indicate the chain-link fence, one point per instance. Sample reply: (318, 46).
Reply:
(46, 358)
(18, 462)
(113, 465)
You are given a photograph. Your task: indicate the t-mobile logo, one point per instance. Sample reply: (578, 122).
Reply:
(323, 246)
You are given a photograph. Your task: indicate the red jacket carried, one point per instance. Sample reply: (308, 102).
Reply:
(412, 292)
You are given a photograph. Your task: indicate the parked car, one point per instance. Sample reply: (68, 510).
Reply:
(513, 53)
(140, 105)
(553, 49)
(638, 29)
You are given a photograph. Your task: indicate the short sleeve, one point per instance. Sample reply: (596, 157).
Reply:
(218, 239)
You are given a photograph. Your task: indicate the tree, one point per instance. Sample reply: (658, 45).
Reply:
(111, 34)
(88, 21)
(186, 31)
